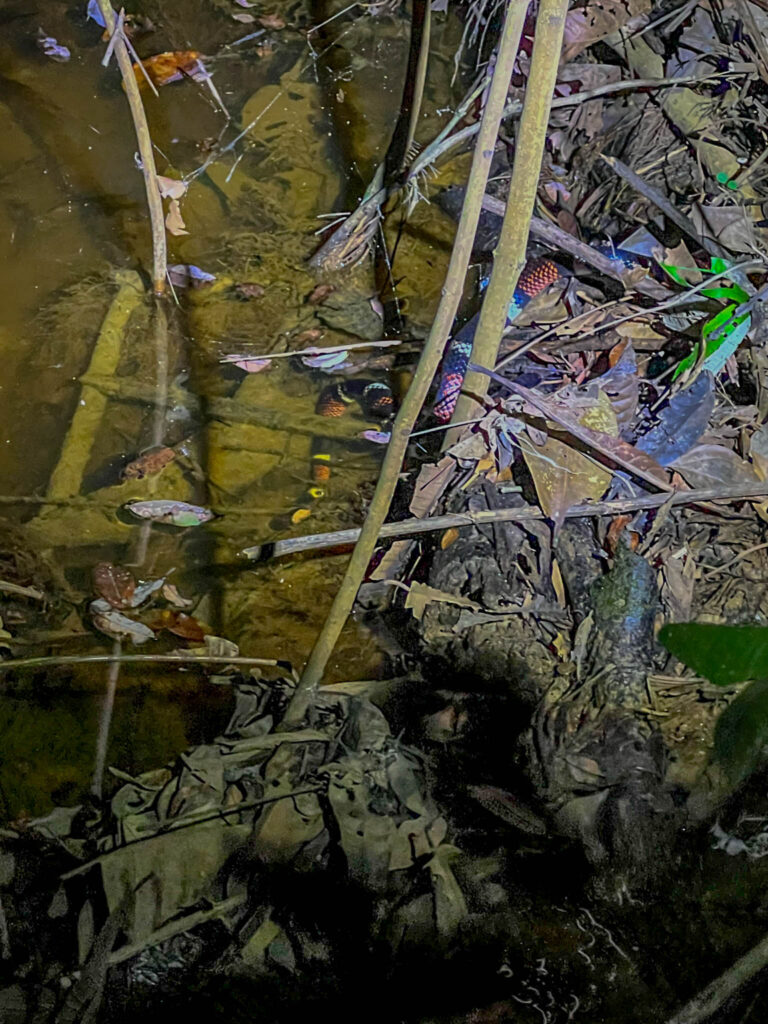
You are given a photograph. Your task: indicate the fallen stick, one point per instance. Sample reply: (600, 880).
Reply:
(409, 527)
(130, 659)
(154, 202)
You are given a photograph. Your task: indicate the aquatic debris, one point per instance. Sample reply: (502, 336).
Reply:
(186, 275)
(114, 583)
(252, 365)
(171, 188)
(249, 290)
(171, 66)
(117, 625)
(181, 624)
(174, 222)
(148, 464)
(174, 513)
(94, 12)
(52, 47)
(377, 436)
(329, 362)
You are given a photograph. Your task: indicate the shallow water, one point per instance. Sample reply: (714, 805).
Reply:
(72, 217)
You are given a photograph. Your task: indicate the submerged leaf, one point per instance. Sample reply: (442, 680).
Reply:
(114, 583)
(174, 222)
(175, 513)
(52, 47)
(119, 626)
(170, 66)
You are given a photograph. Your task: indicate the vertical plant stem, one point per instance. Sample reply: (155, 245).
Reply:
(105, 722)
(154, 202)
(509, 258)
(425, 371)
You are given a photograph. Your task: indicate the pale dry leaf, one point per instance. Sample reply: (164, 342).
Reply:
(171, 188)
(430, 484)
(174, 222)
(420, 595)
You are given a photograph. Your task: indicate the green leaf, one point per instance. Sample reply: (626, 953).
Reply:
(741, 733)
(738, 328)
(718, 320)
(723, 654)
(727, 292)
(674, 273)
(719, 266)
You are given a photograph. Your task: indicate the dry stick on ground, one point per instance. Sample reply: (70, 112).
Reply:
(154, 202)
(425, 371)
(510, 255)
(141, 659)
(408, 527)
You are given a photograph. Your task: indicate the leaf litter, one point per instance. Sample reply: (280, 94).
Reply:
(613, 400)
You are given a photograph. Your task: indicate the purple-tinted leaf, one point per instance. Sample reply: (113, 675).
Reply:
(175, 513)
(94, 12)
(327, 361)
(199, 275)
(713, 465)
(377, 436)
(682, 423)
(252, 365)
(52, 48)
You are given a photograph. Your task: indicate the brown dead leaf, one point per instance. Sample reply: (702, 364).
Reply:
(712, 465)
(591, 22)
(449, 537)
(181, 624)
(174, 222)
(249, 290)
(114, 583)
(393, 561)
(272, 21)
(167, 67)
(430, 484)
(149, 464)
(309, 337)
(420, 595)
(320, 293)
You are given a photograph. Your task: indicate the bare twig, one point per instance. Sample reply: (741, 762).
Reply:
(131, 659)
(410, 527)
(425, 371)
(154, 202)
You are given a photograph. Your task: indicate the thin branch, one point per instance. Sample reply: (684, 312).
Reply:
(410, 527)
(425, 371)
(510, 255)
(132, 659)
(154, 202)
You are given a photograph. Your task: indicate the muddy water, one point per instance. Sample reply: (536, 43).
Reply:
(73, 226)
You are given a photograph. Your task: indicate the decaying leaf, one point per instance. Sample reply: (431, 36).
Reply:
(272, 21)
(187, 275)
(174, 222)
(114, 583)
(170, 66)
(430, 484)
(52, 47)
(119, 626)
(682, 422)
(181, 624)
(174, 513)
(713, 465)
(420, 595)
(249, 290)
(589, 23)
(171, 188)
(565, 476)
(149, 464)
(173, 597)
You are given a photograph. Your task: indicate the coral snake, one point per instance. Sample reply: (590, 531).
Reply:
(375, 398)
